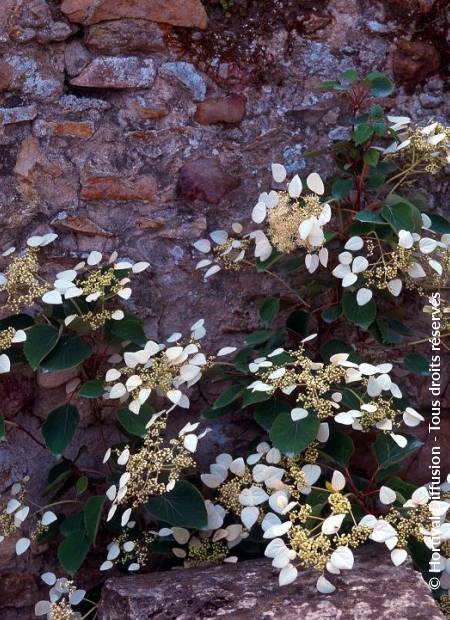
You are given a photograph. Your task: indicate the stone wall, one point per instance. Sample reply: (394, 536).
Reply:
(137, 126)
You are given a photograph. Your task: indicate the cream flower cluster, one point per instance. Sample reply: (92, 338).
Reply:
(303, 227)
(432, 141)
(425, 256)
(160, 368)
(68, 283)
(374, 381)
(63, 594)
(270, 501)
(16, 512)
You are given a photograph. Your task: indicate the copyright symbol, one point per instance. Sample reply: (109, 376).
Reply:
(434, 583)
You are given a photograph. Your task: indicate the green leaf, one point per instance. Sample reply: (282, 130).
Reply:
(341, 188)
(439, 224)
(41, 340)
(337, 346)
(339, 448)
(370, 217)
(268, 310)
(184, 506)
(91, 389)
(212, 414)
(379, 85)
(388, 452)
(328, 85)
(229, 396)
(371, 157)
(350, 75)
(258, 337)
(59, 427)
(298, 322)
(417, 363)
(252, 398)
(362, 133)
(135, 424)
(81, 485)
(362, 316)
(330, 315)
(73, 551)
(92, 515)
(387, 332)
(266, 413)
(375, 179)
(129, 328)
(69, 352)
(291, 437)
(2, 428)
(402, 214)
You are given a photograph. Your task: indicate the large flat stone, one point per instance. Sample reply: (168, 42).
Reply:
(373, 590)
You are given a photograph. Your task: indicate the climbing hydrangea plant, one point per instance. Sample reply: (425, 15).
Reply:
(343, 253)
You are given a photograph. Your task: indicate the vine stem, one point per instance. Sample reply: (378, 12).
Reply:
(282, 281)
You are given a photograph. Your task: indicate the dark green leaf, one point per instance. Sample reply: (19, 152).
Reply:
(350, 75)
(227, 397)
(92, 515)
(135, 424)
(298, 322)
(69, 352)
(417, 363)
(268, 310)
(291, 437)
(389, 453)
(329, 315)
(402, 214)
(258, 337)
(371, 157)
(81, 485)
(362, 133)
(388, 333)
(341, 188)
(328, 85)
(91, 389)
(337, 346)
(339, 448)
(129, 328)
(251, 398)
(439, 224)
(73, 551)
(41, 339)
(370, 217)
(59, 427)
(2, 428)
(362, 316)
(379, 84)
(266, 413)
(184, 506)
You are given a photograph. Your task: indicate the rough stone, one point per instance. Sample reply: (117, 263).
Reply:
(9, 116)
(51, 380)
(119, 188)
(373, 590)
(186, 74)
(230, 109)
(81, 225)
(68, 129)
(18, 590)
(205, 179)
(117, 73)
(76, 57)
(125, 36)
(148, 111)
(186, 13)
(414, 60)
